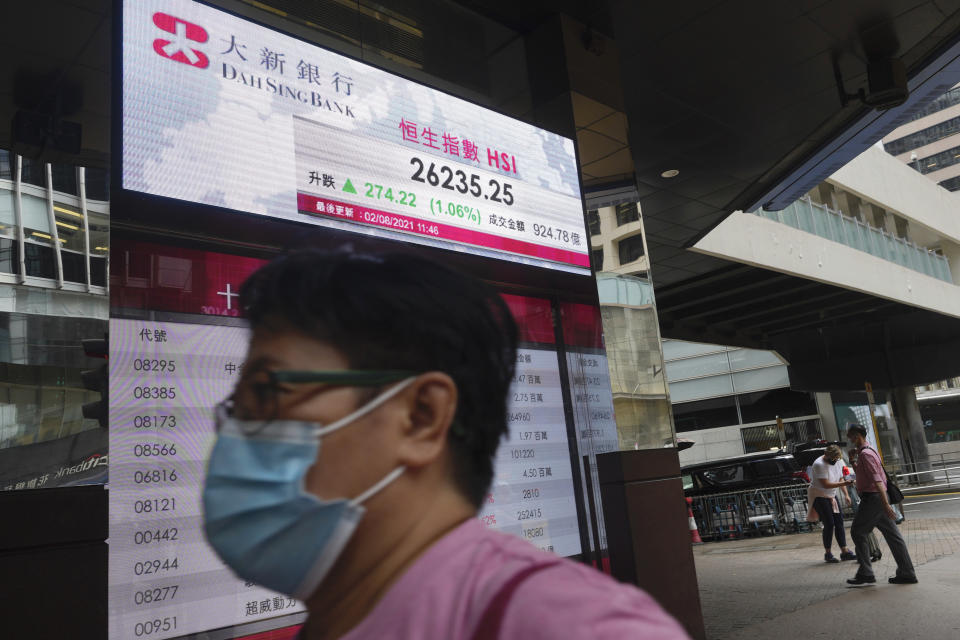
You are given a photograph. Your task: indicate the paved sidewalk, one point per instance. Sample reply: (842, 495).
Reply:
(780, 587)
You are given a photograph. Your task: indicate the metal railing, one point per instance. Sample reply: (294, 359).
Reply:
(753, 512)
(940, 472)
(820, 220)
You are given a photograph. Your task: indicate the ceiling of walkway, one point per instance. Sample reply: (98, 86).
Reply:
(734, 94)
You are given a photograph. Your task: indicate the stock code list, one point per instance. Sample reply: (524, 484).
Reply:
(165, 581)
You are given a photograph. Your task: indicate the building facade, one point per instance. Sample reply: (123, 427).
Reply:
(930, 141)
(631, 329)
(54, 253)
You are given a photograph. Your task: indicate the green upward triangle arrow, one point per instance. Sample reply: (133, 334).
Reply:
(348, 186)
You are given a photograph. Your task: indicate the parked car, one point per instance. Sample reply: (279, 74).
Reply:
(768, 469)
(806, 453)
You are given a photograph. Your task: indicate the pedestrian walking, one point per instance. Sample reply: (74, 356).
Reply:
(875, 511)
(826, 476)
(358, 447)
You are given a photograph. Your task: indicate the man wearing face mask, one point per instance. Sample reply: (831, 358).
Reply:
(875, 511)
(358, 446)
(826, 476)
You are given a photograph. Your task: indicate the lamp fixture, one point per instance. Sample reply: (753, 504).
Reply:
(67, 211)
(670, 173)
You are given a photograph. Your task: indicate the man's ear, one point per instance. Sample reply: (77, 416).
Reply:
(431, 404)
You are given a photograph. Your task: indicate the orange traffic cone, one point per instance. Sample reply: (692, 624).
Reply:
(694, 533)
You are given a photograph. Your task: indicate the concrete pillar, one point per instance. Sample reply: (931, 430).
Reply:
(822, 194)
(890, 225)
(875, 216)
(910, 425)
(828, 419)
(847, 203)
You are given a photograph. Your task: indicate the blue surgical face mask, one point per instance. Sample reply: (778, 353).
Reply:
(257, 515)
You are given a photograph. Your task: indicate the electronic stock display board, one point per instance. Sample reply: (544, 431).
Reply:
(220, 111)
(169, 369)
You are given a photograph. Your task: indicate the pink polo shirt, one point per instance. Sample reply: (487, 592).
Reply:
(448, 590)
(869, 471)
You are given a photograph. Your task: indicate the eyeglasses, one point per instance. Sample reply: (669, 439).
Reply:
(261, 398)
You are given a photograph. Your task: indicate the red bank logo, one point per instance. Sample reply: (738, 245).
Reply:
(179, 47)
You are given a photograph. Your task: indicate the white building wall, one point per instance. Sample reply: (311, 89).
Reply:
(757, 241)
(877, 177)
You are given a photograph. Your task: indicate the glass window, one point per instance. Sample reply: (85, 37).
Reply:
(9, 255)
(6, 165)
(631, 248)
(940, 103)
(36, 220)
(40, 260)
(938, 161)
(923, 137)
(615, 288)
(673, 349)
(74, 266)
(597, 259)
(593, 220)
(701, 388)
(766, 468)
(951, 184)
(627, 213)
(97, 183)
(767, 437)
(724, 475)
(697, 367)
(98, 271)
(33, 172)
(99, 247)
(757, 379)
(69, 226)
(741, 359)
(64, 178)
(705, 414)
(762, 406)
(8, 220)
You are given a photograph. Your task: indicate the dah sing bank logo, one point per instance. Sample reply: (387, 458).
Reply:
(180, 47)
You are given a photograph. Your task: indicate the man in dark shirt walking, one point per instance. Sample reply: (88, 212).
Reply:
(875, 511)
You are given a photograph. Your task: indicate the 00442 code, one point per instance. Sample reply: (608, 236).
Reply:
(151, 536)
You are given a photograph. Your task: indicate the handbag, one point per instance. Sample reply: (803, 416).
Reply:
(894, 495)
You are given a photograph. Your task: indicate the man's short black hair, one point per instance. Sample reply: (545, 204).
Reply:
(401, 311)
(858, 428)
